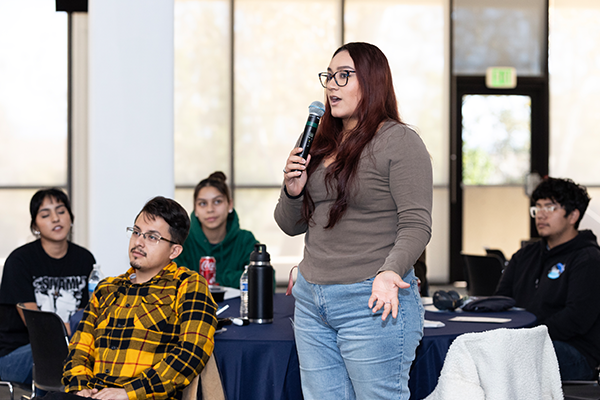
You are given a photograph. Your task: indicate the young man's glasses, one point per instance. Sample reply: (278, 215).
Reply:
(150, 237)
(533, 211)
(340, 77)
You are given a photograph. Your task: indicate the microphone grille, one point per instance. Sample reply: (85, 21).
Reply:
(316, 108)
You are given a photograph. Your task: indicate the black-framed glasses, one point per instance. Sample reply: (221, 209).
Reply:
(150, 237)
(341, 79)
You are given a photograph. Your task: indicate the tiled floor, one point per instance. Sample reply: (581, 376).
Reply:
(18, 392)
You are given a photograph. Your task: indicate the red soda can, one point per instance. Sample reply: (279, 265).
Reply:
(208, 269)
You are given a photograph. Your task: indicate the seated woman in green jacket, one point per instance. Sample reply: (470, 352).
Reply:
(215, 231)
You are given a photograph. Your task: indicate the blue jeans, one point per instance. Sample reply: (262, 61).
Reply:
(572, 364)
(16, 366)
(346, 351)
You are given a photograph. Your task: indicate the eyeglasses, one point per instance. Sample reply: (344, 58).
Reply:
(342, 75)
(150, 237)
(533, 211)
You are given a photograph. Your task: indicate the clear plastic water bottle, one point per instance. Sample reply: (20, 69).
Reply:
(95, 277)
(244, 293)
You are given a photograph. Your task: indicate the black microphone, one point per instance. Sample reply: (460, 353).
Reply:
(315, 112)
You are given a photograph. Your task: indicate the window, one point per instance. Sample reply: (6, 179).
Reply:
(33, 111)
(496, 138)
(575, 84)
(246, 76)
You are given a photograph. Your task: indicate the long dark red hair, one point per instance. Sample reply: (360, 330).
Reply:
(377, 104)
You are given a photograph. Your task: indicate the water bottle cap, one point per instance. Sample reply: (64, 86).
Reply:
(260, 253)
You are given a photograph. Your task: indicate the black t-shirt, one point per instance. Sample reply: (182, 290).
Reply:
(31, 275)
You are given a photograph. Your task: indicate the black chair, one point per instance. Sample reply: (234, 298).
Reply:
(497, 252)
(10, 387)
(483, 274)
(582, 390)
(27, 392)
(530, 241)
(49, 348)
(421, 273)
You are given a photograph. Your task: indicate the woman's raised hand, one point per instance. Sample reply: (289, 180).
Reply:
(294, 172)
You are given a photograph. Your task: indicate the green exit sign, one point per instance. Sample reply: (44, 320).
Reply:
(501, 77)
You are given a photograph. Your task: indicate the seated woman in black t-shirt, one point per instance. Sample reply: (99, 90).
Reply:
(48, 274)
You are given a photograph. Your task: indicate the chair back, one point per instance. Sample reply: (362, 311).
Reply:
(499, 253)
(500, 364)
(49, 347)
(210, 381)
(525, 243)
(207, 385)
(483, 274)
(191, 391)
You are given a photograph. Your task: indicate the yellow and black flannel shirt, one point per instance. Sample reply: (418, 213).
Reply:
(151, 339)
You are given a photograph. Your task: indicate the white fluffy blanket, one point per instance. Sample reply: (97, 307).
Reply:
(501, 364)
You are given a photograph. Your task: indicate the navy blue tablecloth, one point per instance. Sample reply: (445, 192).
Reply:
(259, 362)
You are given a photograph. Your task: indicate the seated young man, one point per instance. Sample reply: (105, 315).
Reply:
(558, 278)
(146, 333)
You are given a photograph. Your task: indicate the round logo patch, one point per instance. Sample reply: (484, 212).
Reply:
(556, 271)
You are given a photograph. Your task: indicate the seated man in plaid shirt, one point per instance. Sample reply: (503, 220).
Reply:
(146, 333)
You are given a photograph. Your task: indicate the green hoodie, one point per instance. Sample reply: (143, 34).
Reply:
(232, 254)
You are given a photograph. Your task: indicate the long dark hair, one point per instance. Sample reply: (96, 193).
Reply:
(377, 104)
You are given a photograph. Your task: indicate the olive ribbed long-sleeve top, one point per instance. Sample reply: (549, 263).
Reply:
(388, 220)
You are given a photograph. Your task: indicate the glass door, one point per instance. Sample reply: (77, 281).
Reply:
(499, 139)
(496, 158)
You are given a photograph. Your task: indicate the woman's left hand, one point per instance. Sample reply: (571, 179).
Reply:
(384, 293)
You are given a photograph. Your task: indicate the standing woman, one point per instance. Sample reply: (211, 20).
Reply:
(363, 197)
(49, 274)
(215, 231)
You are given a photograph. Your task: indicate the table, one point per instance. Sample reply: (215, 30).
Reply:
(259, 362)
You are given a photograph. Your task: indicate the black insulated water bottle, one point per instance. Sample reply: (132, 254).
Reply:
(260, 286)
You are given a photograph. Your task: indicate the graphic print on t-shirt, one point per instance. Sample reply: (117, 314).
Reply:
(59, 294)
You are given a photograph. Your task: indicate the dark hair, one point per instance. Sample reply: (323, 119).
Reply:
(217, 180)
(39, 197)
(377, 104)
(565, 192)
(173, 214)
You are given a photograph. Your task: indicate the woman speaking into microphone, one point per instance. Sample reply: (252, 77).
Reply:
(363, 197)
